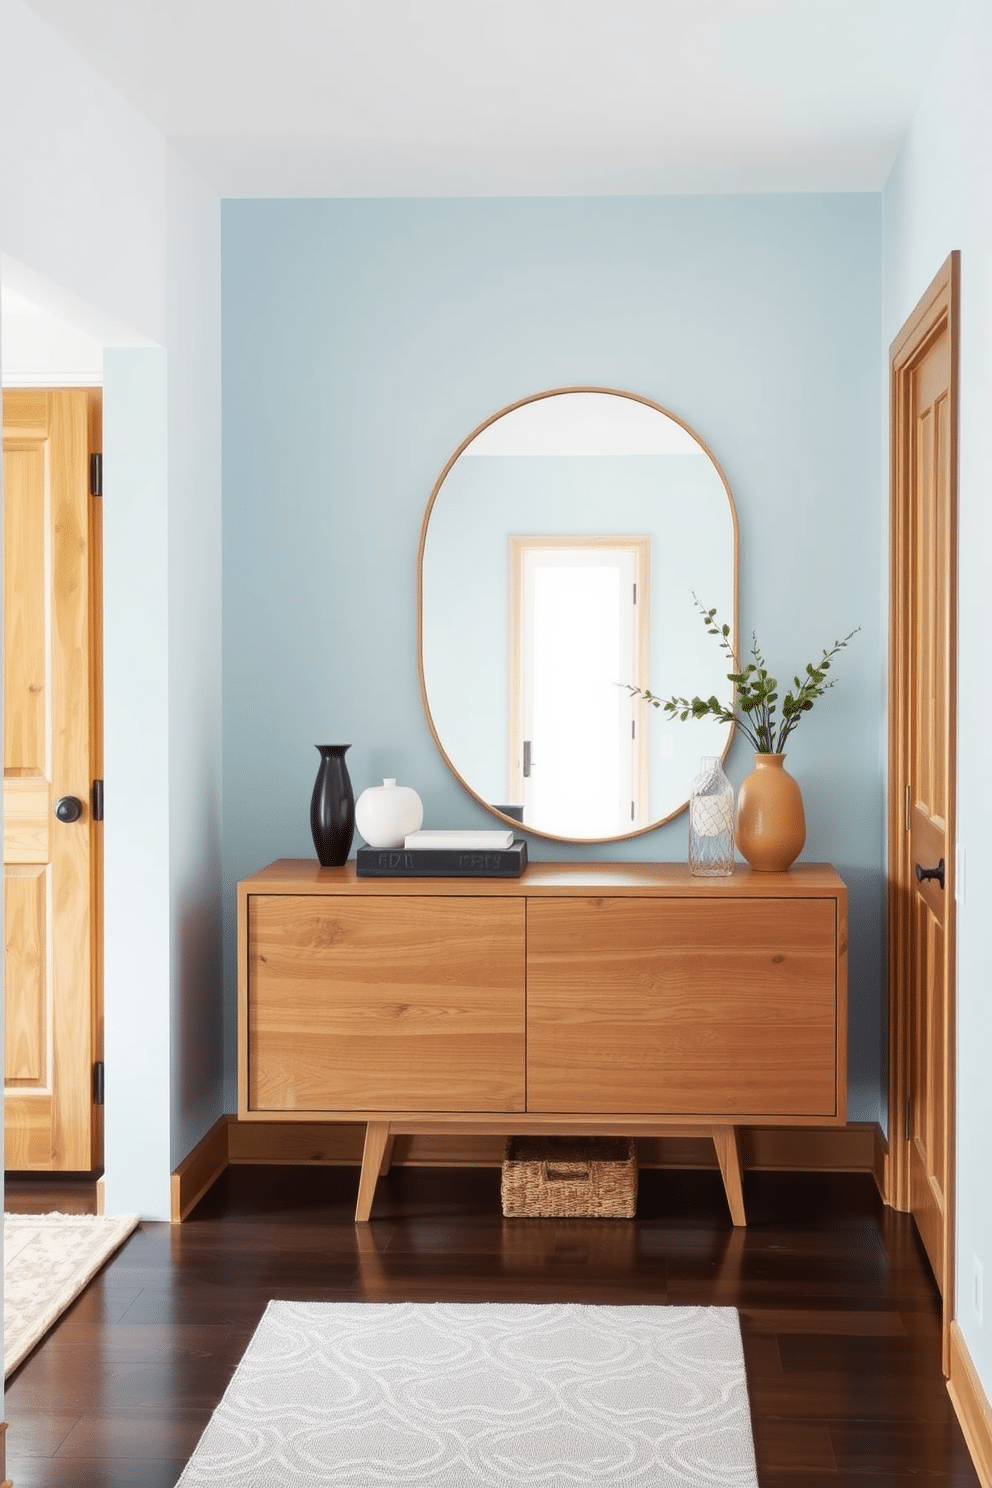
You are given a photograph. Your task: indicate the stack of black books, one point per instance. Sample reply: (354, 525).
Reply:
(455, 854)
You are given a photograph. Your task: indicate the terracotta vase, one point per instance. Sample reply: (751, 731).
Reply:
(771, 825)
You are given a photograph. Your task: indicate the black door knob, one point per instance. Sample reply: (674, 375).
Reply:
(924, 873)
(68, 808)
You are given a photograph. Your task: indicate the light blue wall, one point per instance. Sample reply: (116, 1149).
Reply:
(939, 197)
(364, 340)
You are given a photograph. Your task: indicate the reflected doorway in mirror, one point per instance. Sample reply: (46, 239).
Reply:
(579, 624)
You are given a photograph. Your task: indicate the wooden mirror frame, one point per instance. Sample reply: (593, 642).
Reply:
(438, 485)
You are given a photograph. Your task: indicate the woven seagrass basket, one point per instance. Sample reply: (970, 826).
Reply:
(569, 1178)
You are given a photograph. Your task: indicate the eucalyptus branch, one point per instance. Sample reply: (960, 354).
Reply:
(756, 692)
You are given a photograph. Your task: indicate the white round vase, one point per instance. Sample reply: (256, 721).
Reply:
(385, 813)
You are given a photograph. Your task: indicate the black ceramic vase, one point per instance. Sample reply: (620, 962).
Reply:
(332, 807)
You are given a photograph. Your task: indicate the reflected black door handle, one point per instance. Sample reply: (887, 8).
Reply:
(925, 873)
(68, 808)
(527, 759)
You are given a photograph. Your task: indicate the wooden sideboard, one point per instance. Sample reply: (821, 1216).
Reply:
(591, 998)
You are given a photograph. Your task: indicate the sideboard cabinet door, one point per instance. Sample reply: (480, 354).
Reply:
(381, 1003)
(682, 1006)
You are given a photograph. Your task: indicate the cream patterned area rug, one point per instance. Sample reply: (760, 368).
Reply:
(47, 1260)
(439, 1395)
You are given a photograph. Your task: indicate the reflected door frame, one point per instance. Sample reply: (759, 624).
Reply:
(639, 550)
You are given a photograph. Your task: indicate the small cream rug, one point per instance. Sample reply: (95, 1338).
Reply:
(455, 1395)
(47, 1260)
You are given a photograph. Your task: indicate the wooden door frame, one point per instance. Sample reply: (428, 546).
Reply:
(95, 430)
(936, 312)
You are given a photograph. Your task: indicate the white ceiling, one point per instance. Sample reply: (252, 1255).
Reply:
(519, 97)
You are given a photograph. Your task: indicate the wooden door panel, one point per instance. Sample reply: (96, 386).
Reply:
(928, 1072)
(25, 976)
(928, 835)
(922, 769)
(351, 1006)
(26, 820)
(25, 653)
(51, 693)
(720, 1008)
(27, 1132)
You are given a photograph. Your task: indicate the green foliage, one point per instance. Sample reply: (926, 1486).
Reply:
(756, 692)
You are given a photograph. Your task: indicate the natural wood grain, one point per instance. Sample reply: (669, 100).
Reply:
(72, 950)
(26, 820)
(376, 1137)
(26, 678)
(727, 1141)
(200, 1169)
(922, 711)
(652, 1003)
(295, 1141)
(682, 1007)
(971, 1404)
(385, 1004)
(25, 980)
(94, 411)
(559, 880)
(27, 1131)
(48, 700)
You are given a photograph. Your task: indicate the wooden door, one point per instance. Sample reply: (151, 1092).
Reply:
(922, 774)
(52, 744)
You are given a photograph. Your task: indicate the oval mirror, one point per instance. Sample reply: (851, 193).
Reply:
(560, 553)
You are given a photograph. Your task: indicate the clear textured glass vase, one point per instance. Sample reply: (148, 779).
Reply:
(711, 821)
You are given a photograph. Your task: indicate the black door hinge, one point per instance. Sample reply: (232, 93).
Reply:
(96, 475)
(98, 800)
(98, 1078)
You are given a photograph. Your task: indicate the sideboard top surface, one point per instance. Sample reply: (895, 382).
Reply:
(802, 880)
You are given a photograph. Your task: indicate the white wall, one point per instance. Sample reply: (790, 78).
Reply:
(137, 952)
(194, 599)
(939, 197)
(105, 226)
(82, 179)
(42, 350)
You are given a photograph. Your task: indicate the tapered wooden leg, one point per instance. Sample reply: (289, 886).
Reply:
(376, 1137)
(727, 1141)
(387, 1156)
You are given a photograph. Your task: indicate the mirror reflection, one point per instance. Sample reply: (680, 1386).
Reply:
(559, 555)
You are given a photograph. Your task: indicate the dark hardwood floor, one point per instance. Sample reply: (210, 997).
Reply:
(838, 1310)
